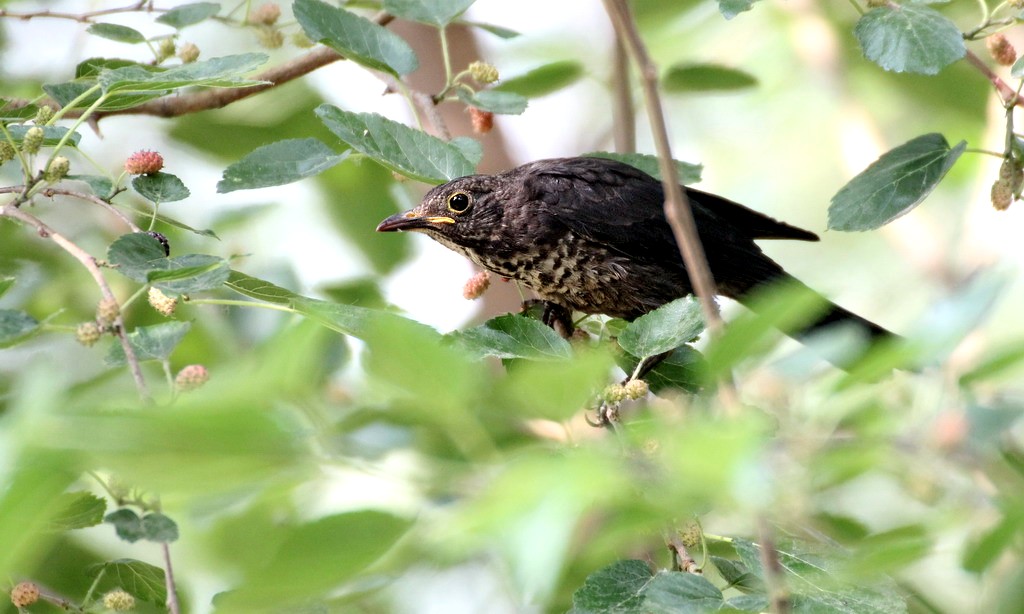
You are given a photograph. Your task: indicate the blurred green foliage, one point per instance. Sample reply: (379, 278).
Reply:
(343, 456)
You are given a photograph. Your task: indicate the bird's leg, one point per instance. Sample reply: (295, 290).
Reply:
(558, 317)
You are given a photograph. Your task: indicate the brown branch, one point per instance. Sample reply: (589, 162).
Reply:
(172, 593)
(1007, 93)
(779, 601)
(51, 192)
(79, 17)
(216, 98)
(623, 113)
(11, 211)
(677, 205)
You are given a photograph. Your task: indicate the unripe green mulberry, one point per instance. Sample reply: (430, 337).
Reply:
(107, 311)
(33, 140)
(43, 115)
(119, 601)
(188, 53)
(7, 152)
(58, 169)
(161, 302)
(483, 72)
(88, 333)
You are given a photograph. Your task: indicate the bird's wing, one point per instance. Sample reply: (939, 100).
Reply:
(621, 207)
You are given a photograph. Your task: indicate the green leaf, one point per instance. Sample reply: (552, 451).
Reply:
(402, 149)
(688, 173)
(77, 510)
(127, 524)
(92, 67)
(142, 580)
(16, 110)
(683, 369)
(189, 14)
(685, 593)
(894, 184)
(6, 282)
(260, 289)
(663, 329)
(434, 12)
(115, 32)
(909, 38)
(543, 80)
(66, 93)
(15, 326)
(505, 103)
(160, 187)
(732, 8)
(691, 77)
(140, 257)
(99, 185)
(355, 37)
(498, 31)
(216, 72)
(339, 547)
(51, 134)
(514, 336)
(554, 391)
(737, 575)
(159, 528)
(279, 163)
(982, 552)
(615, 588)
(154, 342)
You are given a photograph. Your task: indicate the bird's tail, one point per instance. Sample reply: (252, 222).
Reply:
(825, 313)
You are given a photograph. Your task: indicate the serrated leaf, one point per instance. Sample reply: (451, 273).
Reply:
(216, 72)
(543, 80)
(403, 149)
(894, 184)
(155, 342)
(159, 528)
(732, 8)
(140, 257)
(279, 163)
(92, 67)
(355, 37)
(6, 283)
(505, 103)
(116, 32)
(663, 329)
(127, 524)
(77, 510)
(142, 580)
(674, 591)
(691, 77)
(99, 185)
(51, 134)
(66, 93)
(909, 38)
(688, 173)
(160, 187)
(189, 14)
(434, 12)
(613, 588)
(514, 336)
(15, 326)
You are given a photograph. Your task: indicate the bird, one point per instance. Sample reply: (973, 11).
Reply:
(589, 235)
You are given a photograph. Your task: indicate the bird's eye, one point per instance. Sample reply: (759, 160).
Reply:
(458, 202)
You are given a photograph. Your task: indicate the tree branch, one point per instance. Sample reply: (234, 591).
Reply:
(13, 212)
(172, 593)
(1007, 93)
(216, 98)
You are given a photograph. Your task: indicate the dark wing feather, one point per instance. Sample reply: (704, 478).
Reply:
(621, 207)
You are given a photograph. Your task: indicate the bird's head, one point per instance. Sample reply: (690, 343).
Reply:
(462, 213)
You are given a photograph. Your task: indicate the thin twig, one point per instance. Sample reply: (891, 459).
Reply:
(1007, 93)
(623, 113)
(80, 17)
(779, 601)
(677, 205)
(172, 594)
(51, 192)
(11, 211)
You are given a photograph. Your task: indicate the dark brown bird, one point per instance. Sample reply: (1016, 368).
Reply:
(590, 235)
